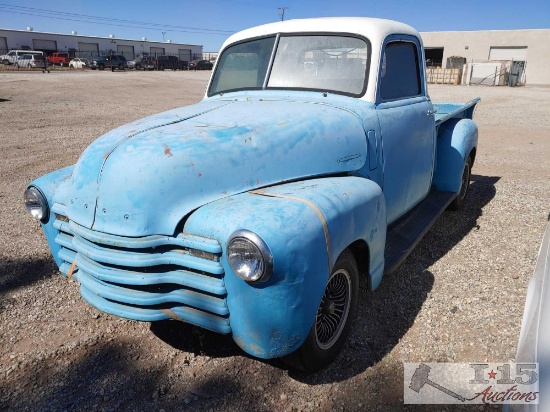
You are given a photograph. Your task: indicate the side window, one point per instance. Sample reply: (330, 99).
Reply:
(400, 72)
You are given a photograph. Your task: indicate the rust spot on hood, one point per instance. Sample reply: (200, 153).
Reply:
(167, 151)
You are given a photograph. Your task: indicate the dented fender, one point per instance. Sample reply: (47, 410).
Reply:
(306, 225)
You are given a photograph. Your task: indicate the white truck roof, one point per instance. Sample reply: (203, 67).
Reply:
(375, 30)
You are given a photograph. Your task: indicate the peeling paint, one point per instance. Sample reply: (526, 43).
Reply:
(167, 151)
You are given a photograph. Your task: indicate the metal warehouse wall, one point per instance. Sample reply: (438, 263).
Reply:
(476, 46)
(16, 39)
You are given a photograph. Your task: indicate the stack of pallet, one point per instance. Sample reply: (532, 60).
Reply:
(444, 76)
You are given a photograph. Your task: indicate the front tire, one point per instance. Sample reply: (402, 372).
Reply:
(460, 199)
(333, 320)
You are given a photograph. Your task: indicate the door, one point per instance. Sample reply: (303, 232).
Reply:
(406, 118)
(88, 50)
(44, 45)
(126, 51)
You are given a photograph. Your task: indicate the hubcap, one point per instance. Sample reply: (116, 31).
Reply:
(333, 310)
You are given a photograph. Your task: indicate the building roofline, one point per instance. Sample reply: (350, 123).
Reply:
(98, 37)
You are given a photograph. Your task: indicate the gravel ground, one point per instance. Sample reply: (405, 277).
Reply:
(458, 298)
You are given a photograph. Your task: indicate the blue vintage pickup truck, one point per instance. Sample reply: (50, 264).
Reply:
(316, 157)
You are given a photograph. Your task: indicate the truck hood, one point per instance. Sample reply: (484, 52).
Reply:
(144, 177)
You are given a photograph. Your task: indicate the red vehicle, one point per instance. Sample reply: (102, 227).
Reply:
(59, 58)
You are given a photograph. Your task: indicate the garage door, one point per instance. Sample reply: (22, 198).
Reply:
(157, 51)
(508, 53)
(126, 51)
(185, 54)
(3, 45)
(88, 50)
(44, 45)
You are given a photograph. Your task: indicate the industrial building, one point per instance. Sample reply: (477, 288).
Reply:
(491, 56)
(91, 46)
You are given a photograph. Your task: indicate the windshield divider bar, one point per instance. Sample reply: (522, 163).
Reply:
(275, 45)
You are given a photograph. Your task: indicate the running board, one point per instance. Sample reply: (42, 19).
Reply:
(405, 233)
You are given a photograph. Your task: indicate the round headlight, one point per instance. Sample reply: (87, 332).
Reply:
(36, 203)
(249, 256)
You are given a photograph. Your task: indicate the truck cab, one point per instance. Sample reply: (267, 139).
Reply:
(316, 157)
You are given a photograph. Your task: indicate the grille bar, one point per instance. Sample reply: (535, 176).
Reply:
(196, 317)
(183, 240)
(142, 259)
(150, 298)
(126, 277)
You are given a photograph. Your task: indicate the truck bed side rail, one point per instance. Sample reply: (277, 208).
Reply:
(446, 111)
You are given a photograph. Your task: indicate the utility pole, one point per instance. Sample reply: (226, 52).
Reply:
(282, 13)
(163, 33)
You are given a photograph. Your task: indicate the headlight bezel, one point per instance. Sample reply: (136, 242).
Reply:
(261, 246)
(40, 200)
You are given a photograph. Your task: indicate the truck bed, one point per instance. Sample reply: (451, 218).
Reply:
(446, 111)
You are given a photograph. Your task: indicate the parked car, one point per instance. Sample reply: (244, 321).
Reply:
(534, 338)
(135, 63)
(142, 63)
(31, 61)
(113, 62)
(167, 62)
(254, 212)
(200, 65)
(149, 63)
(12, 56)
(60, 58)
(79, 63)
(183, 65)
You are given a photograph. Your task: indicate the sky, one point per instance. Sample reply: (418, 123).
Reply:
(210, 22)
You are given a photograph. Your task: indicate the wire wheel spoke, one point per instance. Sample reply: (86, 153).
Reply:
(333, 310)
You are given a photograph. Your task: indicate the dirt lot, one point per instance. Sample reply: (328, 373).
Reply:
(458, 298)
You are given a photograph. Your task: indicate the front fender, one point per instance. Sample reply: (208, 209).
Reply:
(306, 225)
(455, 142)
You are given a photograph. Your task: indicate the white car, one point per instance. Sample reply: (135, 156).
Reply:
(534, 338)
(31, 60)
(79, 63)
(13, 55)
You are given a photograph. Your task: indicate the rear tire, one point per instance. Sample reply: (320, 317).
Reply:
(460, 199)
(333, 320)
(101, 67)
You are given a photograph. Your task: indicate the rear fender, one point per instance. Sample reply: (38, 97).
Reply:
(306, 225)
(456, 140)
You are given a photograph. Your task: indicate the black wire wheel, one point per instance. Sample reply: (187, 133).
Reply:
(334, 309)
(333, 319)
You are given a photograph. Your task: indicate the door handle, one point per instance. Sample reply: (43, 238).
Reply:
(431, 112)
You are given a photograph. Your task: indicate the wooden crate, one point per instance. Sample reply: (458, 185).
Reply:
(444, 76)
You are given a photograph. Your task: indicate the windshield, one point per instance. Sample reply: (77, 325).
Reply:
(332, 63)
